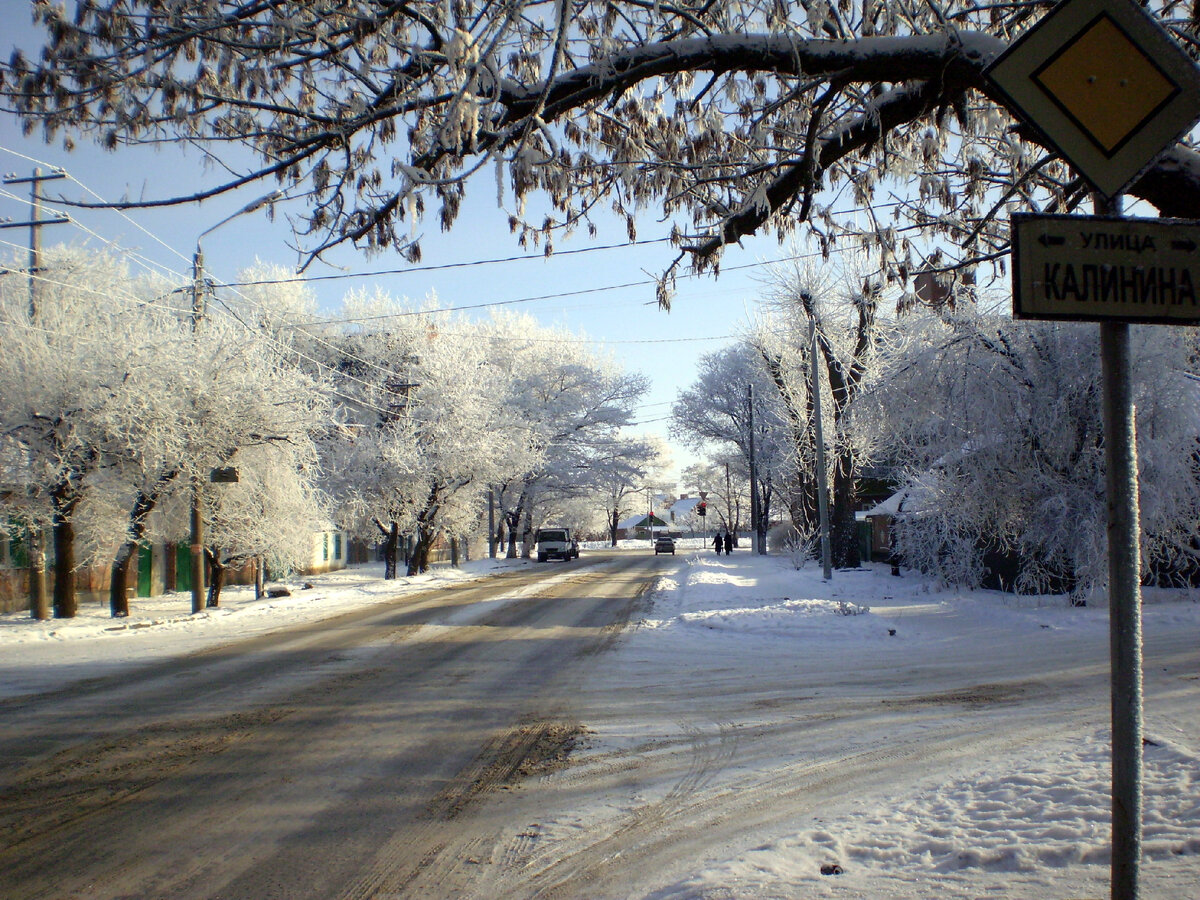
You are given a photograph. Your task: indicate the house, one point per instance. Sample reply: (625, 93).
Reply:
(155, 569)
(640, 526)
(683, 510)
(329, 552)
(879, 517)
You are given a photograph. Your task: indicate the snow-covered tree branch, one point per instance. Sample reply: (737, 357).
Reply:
(731, 117)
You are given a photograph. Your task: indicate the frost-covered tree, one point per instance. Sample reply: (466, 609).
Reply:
(731, 117)
(713, 414)
(618, 473)
(420, 431)
(727, 484)
(834, 314)
(573, 405)
(269, 515)
(114, 401)
(999, 425)
(84, 390)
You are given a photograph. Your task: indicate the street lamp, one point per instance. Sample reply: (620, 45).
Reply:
(197, 516)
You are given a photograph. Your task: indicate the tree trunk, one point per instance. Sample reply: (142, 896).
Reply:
(766, 497)
(66, 602)
(391, 546)
(419, 560)
(527, 535)
(216, 578)
(118, 593)
(513, 520)
(843, 525)
(844, 381)
(39, 599)
(454, 552)
(612, 528)
(260, 589)
(118, 585)
(801, 497)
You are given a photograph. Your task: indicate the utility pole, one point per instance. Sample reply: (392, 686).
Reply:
(35, 224)
(491, 523)
(754, 512)
(197, 517)
(39, 598)
(822, 478)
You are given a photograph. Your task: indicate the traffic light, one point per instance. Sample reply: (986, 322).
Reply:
(702, 508)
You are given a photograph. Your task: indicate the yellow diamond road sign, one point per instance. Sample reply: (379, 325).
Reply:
(1106, 86)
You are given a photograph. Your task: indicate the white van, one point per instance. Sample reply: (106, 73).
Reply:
(556, 543)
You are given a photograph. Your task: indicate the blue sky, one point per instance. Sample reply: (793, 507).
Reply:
(606, 295)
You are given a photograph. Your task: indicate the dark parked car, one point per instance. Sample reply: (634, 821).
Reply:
(664, 543)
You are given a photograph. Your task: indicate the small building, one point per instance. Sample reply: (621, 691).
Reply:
(330, 552)
(640, 527)
(880, 517)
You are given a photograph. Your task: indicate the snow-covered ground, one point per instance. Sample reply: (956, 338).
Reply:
(784, 669)
(1020, 812)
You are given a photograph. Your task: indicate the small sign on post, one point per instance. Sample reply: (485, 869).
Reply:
(931, 290)
(1095, 268)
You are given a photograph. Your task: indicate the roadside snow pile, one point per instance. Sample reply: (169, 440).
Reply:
(1027, 821)
(1051, 812)
(713, 596)
(771, 616)
(310, 598)
(41, 656)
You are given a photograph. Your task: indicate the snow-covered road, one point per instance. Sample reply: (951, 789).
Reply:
(758, 727)
(750, 734)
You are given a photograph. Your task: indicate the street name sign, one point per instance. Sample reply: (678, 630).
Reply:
(1105, 84)
(1094, 268)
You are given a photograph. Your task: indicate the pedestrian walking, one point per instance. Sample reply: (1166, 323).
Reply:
(728, 542)
(717, 543)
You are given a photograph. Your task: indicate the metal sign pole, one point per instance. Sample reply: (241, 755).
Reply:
(1110, 88)
(822, 486)
(1124, 598)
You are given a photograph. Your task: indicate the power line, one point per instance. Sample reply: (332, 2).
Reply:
(342, 276)
(466, 264)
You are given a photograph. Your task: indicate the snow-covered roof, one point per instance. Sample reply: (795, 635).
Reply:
(914, 498)
(888, 507)
(639, 521)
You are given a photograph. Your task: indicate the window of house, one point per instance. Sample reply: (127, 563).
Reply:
(325, 546)
(337, 545)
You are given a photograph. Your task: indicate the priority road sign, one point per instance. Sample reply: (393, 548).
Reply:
(1095, 268)
(1105, 84)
